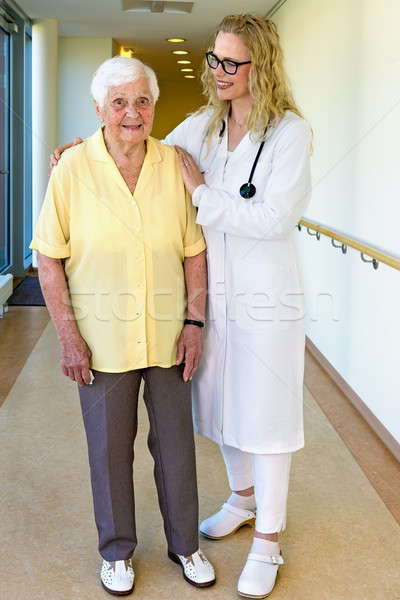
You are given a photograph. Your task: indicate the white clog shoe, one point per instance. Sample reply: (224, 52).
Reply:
(259, 574)
(196, 568)
(118, 577)
(226, 521)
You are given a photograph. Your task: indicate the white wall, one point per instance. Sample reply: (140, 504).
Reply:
(343, 59)
(44, 107)
(78, 59)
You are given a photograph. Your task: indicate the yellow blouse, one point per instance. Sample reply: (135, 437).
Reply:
(124, 253)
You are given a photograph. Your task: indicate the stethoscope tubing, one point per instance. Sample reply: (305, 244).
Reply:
(248, 189)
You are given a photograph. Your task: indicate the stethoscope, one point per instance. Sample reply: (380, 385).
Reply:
(247, 190)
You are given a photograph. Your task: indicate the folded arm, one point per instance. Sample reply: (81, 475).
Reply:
(284, 198)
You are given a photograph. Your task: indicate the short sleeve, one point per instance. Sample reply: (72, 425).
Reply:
(51, 236)
(193, 242)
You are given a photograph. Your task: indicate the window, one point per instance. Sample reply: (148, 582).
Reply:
(5, 216)
(15, 139)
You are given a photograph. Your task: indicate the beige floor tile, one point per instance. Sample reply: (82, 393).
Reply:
(20, 329)
(341, 542)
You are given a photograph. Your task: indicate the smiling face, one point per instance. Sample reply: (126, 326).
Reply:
(128, 112)
(231, 87)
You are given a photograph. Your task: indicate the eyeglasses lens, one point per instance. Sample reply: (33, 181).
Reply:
(212, 61)
(228, 66)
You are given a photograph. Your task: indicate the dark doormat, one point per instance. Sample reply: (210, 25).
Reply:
(27, 293)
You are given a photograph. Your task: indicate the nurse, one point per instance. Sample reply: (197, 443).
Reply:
(248, 390)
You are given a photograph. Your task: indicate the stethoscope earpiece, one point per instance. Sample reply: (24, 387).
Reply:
(247, 190)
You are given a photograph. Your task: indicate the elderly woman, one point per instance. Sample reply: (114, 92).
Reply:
(245, 159)
(121, 260)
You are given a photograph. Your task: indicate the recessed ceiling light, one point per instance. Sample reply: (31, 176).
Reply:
(187, 70)
(189, 77)
(176, 40)
(184, 62)
(128, 52)
(180, 52)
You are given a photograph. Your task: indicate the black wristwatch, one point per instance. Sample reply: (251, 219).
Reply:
(191, 322)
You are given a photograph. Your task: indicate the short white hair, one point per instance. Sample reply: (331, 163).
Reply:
(119, 70)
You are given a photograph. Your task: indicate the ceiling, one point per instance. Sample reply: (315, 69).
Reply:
(145, 32)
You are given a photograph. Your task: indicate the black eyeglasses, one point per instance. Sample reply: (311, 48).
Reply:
(229, 66)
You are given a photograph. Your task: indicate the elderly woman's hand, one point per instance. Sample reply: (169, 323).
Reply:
(190, 349)
(191, 173)
(75, 359)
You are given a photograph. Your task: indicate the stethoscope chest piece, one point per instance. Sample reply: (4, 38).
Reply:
(247, 190)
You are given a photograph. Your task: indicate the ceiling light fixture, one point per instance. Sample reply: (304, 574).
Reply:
(180, 52)
(184, 62)
(127, 52)
(151, 6)
(189, 77)
(176, 40)
(187, 70)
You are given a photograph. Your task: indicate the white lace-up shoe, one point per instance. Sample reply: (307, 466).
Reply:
(117, 577)
(259, 575)
(226, 521)
(196, 568)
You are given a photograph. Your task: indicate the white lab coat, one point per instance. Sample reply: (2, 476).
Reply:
(248, 390)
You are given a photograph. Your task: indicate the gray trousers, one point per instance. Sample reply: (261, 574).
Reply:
(109, 409)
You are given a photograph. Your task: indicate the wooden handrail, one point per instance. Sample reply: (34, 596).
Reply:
(376, 254)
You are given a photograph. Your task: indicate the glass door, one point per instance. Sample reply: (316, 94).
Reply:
(28, 149)
(4, 149)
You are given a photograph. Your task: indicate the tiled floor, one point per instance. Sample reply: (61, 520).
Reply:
(341, 542)
(20, 329)
(379, 465)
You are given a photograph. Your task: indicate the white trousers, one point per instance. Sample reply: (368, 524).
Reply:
(269, 474)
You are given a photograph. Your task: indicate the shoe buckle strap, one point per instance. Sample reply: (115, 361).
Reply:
(189, 560)
(128, 564)
(203, 558)
(271, 559)
(245, 514)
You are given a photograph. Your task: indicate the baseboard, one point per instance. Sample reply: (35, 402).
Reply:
(6, 288)
(31, 270)
(390, 442)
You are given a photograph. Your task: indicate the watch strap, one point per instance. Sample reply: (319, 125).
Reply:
(192, 322)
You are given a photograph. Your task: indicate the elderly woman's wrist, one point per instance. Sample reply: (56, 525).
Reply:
(68, 334)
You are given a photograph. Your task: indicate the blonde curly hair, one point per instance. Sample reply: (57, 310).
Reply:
(268, 83)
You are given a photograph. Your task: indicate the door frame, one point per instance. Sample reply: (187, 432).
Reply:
(18, 264)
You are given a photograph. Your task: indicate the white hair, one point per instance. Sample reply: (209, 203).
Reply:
(119, 70)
